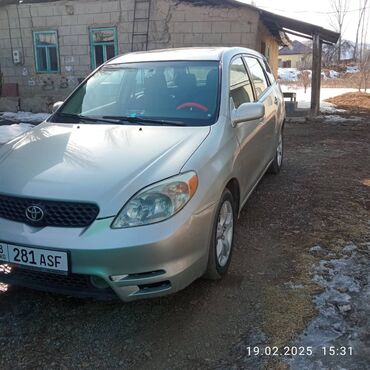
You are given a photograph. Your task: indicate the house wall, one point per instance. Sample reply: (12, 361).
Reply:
(296, 60)
(71, 19)
(172, 24)
(270, 45)
(182, 25)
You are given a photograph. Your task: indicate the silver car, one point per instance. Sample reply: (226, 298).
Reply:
(133, 186)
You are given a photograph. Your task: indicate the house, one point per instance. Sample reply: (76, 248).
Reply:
(296, 55)
(48, 47)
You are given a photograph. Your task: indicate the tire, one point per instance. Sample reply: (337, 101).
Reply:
(277, 163)
(221, 247)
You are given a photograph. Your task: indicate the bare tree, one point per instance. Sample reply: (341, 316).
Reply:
(305, 79)
(364, 33)
(364, 74)
(365, 53)
(329, 53)
(337, 18)
(361, 16)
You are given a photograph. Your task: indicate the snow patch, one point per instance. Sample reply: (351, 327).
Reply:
(288, 74)
(352, 69)
(292, 74)
(335, 119)
(333, 74)
(343, 318)
(27, 117)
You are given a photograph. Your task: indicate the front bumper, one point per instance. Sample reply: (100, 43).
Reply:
(134, 263)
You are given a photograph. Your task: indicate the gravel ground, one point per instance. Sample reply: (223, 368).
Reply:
(293, 224)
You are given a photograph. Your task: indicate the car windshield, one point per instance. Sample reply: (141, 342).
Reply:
(177, 93)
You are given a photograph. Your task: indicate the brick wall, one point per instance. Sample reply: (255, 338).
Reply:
(172, 24)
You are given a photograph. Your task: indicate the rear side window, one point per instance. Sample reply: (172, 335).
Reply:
(258, 76)
(240, 84)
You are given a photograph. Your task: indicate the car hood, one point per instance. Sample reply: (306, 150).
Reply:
(104, 164)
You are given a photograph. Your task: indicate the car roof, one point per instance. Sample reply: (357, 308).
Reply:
(194, 53)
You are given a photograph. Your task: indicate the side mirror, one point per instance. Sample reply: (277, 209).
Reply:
(56, 106)
(247, 112)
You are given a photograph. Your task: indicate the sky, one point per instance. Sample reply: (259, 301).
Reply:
(313, 11)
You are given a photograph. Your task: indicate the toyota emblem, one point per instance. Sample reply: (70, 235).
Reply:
(34, 213)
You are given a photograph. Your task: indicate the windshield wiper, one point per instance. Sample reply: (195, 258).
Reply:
(81, 117)
(142, 120)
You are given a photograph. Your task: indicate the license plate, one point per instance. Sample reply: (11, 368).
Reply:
(34, 257)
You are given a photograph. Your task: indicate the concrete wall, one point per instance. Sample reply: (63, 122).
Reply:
(182, 25)
(172, 24)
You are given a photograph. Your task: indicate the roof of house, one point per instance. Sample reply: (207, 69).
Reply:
(307, 30)
(296, 47)
(277, 24)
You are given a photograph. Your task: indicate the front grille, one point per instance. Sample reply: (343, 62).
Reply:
(55, 213)
(73, 284)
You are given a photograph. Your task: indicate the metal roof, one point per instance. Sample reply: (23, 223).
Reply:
(277, 24)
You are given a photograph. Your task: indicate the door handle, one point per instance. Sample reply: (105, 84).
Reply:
(276, 100)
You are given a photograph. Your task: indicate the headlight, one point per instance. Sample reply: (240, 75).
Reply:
(157, 202)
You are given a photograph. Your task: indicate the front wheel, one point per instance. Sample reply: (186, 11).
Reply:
(222, 238)
(275, 166)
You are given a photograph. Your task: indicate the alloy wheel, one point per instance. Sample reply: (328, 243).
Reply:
(224, 235)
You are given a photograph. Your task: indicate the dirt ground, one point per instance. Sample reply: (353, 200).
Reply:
(314, 208)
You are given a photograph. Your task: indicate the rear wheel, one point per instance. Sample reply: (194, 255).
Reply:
(220, 250)
(275, 166)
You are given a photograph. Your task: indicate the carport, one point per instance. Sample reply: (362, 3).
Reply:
(280, 26)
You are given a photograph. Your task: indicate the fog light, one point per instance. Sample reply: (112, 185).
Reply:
(98, 282)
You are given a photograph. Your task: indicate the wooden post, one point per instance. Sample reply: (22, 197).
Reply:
(316, 75)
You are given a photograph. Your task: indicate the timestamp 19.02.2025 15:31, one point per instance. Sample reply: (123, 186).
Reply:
(299, 351)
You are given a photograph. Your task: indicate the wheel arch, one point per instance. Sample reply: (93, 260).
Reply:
(233, 186)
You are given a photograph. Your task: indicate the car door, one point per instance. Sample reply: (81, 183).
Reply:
(248, 133)
(279, 101)
(265, 94)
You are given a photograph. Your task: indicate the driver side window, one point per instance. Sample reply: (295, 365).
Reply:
(240, 84)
